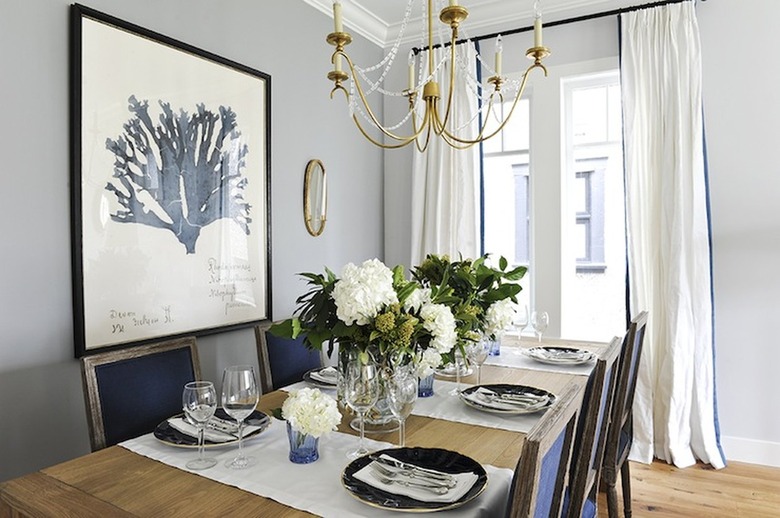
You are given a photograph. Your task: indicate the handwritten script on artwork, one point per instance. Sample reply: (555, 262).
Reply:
(229, 284)
(123, 320)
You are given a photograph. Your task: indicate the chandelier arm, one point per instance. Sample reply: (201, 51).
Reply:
(451, 88)
(370, 112)
(424, 147)
(402, 142)
(508, 116)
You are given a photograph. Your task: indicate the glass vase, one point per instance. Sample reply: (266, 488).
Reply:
(303, 447)
(425, 387)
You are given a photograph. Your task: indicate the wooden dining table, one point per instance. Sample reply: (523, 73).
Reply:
(117, 482)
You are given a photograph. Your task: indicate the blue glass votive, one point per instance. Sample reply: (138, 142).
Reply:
(425, 387)
(303, 447)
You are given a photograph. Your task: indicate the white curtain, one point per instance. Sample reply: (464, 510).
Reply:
(668, 235)
(445, 181)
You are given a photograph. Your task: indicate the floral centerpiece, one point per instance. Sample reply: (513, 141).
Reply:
(373, 311)
(481, 297)
(310, 414)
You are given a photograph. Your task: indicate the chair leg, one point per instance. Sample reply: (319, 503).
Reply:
(612, 500)
(625, 482)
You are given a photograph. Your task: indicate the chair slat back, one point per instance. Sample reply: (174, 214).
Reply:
(592, 424)
(624, 391)
(128, 392)
(540, 475)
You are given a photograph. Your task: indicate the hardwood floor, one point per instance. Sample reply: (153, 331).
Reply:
(738, 490)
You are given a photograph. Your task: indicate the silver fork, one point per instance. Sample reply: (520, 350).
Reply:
(390, 473)
(439, 490)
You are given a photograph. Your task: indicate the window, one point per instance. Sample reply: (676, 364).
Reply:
(553, 199)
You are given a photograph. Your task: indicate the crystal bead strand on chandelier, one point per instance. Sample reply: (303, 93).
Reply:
(424, 95)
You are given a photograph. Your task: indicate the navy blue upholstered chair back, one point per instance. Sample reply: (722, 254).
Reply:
(591, 435)
(282, 361)
(540, 476)
(130, 391)
(620, 434)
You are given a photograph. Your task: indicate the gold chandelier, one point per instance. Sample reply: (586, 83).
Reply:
(427, 120)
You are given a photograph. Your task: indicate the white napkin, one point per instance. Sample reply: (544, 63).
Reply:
(488, 398)
(210, 434)
(463, 482)
(328, 375)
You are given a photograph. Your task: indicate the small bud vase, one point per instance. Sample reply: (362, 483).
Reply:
(425, 387)
(303, 447)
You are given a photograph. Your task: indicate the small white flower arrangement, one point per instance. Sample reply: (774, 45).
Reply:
(311, 412)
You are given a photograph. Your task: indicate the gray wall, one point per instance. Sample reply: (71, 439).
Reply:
(43, 419)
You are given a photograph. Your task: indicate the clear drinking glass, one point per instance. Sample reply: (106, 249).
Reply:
(199, 401)
(402, 394)
(239, 399)
(458, 363)
(477, 353)
(362, 392)
(539, 321)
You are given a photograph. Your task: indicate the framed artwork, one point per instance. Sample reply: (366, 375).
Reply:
(170, 187)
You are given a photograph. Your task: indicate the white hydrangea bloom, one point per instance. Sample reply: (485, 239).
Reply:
(427, 362)
(418, 298)
(311, 412)
(363, 291)
(438, 319)
(498, 316)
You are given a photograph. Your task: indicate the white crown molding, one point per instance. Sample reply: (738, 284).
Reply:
(356, 18)
(486, 17)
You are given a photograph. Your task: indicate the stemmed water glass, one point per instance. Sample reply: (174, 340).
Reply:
(539, 321)
(239, 399)
(477, 353)
(199, 401)
(362, 392)
(402, 394)
(457, 360)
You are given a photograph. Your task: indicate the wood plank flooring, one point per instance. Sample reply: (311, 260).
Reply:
(738, 490)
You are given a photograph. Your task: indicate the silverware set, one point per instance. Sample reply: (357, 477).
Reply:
(420, 478)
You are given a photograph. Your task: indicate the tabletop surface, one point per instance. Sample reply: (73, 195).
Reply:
(117, 482)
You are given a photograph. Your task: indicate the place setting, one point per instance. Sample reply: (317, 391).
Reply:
(559, 355)
(324, 377)
(507, 399)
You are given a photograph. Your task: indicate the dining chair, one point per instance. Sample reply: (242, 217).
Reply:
(282, 361)
(590, 437)
(620, 435)
(540, 475)
(128, 392)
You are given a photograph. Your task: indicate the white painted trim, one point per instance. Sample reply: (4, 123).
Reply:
(356, 18)
(740, 449)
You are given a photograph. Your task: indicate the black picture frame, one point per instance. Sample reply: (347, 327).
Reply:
(170, 187)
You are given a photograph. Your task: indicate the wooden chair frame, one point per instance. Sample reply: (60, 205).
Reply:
(586, 469)
(558, 419)
(97, 432)
(263, 359)
(615, 459)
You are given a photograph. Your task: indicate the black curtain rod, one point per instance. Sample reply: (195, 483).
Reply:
(583, 18)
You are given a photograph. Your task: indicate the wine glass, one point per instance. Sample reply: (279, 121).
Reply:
(477, 353)
(539, 321)
(362, 392)
(239, 400)
(402, 394)
(521, 320)
(199, 401)
(457, 360)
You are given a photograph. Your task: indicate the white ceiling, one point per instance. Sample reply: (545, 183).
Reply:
(380, 20)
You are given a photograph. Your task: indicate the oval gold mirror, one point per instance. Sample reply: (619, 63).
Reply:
(315, 197)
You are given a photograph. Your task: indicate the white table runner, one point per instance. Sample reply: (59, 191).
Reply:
(314, 487)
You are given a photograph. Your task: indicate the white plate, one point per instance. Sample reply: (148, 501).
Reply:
(554, 355)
